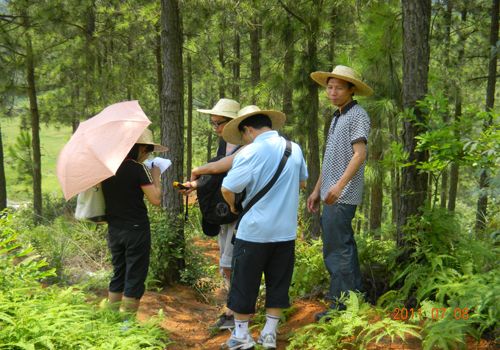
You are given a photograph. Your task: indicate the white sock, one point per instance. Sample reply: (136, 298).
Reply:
(240, 328)
(271, 325)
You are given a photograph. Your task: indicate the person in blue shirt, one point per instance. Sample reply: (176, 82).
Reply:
(265, 239)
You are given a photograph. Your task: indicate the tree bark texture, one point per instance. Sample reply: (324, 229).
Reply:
(416, 24)
(312, 119)
(172, 123)
(484, 179)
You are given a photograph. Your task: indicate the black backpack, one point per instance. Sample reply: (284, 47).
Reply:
(214, 209)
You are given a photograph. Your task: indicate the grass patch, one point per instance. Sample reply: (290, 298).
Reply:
(52, 139)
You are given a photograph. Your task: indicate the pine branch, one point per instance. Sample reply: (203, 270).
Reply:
(293, 14)
(12, 50)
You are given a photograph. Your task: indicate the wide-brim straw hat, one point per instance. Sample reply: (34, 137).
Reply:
(344, 73)
(146, 138)
(232, 135)
(225, 107)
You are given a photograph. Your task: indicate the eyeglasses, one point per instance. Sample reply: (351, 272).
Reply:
(217, 124)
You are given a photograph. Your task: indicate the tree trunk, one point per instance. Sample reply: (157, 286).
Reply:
(393, 128)
(416, 24)
(222, 89)
(454, 169)
(35, 125)
(288, 63)
(189, 164)
(484, 179)
(255, 57)
(209, 145)
(172, 125)
(376, 192)
(159, 67)
(89, 59)
(312, 119)
(236, 67)
(446, 115)
(3, 182)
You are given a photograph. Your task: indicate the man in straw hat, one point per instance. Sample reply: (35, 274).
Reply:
(265, 239)
(340, 184)
(129, 235)
(224, 111)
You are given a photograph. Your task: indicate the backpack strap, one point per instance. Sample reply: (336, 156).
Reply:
(267, 187)
(221, 149)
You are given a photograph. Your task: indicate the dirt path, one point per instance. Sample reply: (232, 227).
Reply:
(187, 319)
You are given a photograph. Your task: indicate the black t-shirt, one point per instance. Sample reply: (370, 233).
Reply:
(124, 196)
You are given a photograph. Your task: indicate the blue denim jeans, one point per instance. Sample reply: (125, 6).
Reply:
(340, 253)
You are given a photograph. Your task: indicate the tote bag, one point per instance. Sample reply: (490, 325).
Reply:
(90, 205)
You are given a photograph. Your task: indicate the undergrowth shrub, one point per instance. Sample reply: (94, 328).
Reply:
(37, 317)
(354, 328)
(77, 250)
(197, 272)
(310, 277)
(450, 270)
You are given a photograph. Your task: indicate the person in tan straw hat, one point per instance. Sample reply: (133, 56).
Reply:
(223, 112)
(340, 184)
(265, 239)
(129, 235)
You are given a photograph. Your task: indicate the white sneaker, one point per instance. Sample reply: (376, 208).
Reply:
(268, 341)
(234, 343)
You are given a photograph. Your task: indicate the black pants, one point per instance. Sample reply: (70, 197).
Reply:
(250, 260)
(130, 248)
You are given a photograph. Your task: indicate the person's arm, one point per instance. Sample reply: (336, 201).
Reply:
(153, 191)
(355, 163)
(221, 166)
(230, 199)
(314, 198)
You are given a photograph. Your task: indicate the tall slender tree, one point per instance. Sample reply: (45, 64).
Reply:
(172, 122)
(454, 168)
(416, 26)
(255, 56)
(484, 179)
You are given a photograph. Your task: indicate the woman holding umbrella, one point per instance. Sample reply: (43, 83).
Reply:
(129, 236)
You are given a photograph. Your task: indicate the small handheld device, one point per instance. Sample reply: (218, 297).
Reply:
(179, 186)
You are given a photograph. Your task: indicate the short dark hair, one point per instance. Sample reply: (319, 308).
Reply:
(257, 121)
(134, 151)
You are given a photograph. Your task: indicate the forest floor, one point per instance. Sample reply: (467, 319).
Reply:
(187, 319)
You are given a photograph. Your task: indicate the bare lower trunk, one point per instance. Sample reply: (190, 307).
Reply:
(312, 121)
(416, 24)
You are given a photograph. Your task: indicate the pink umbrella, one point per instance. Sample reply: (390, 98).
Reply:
(98, 147)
